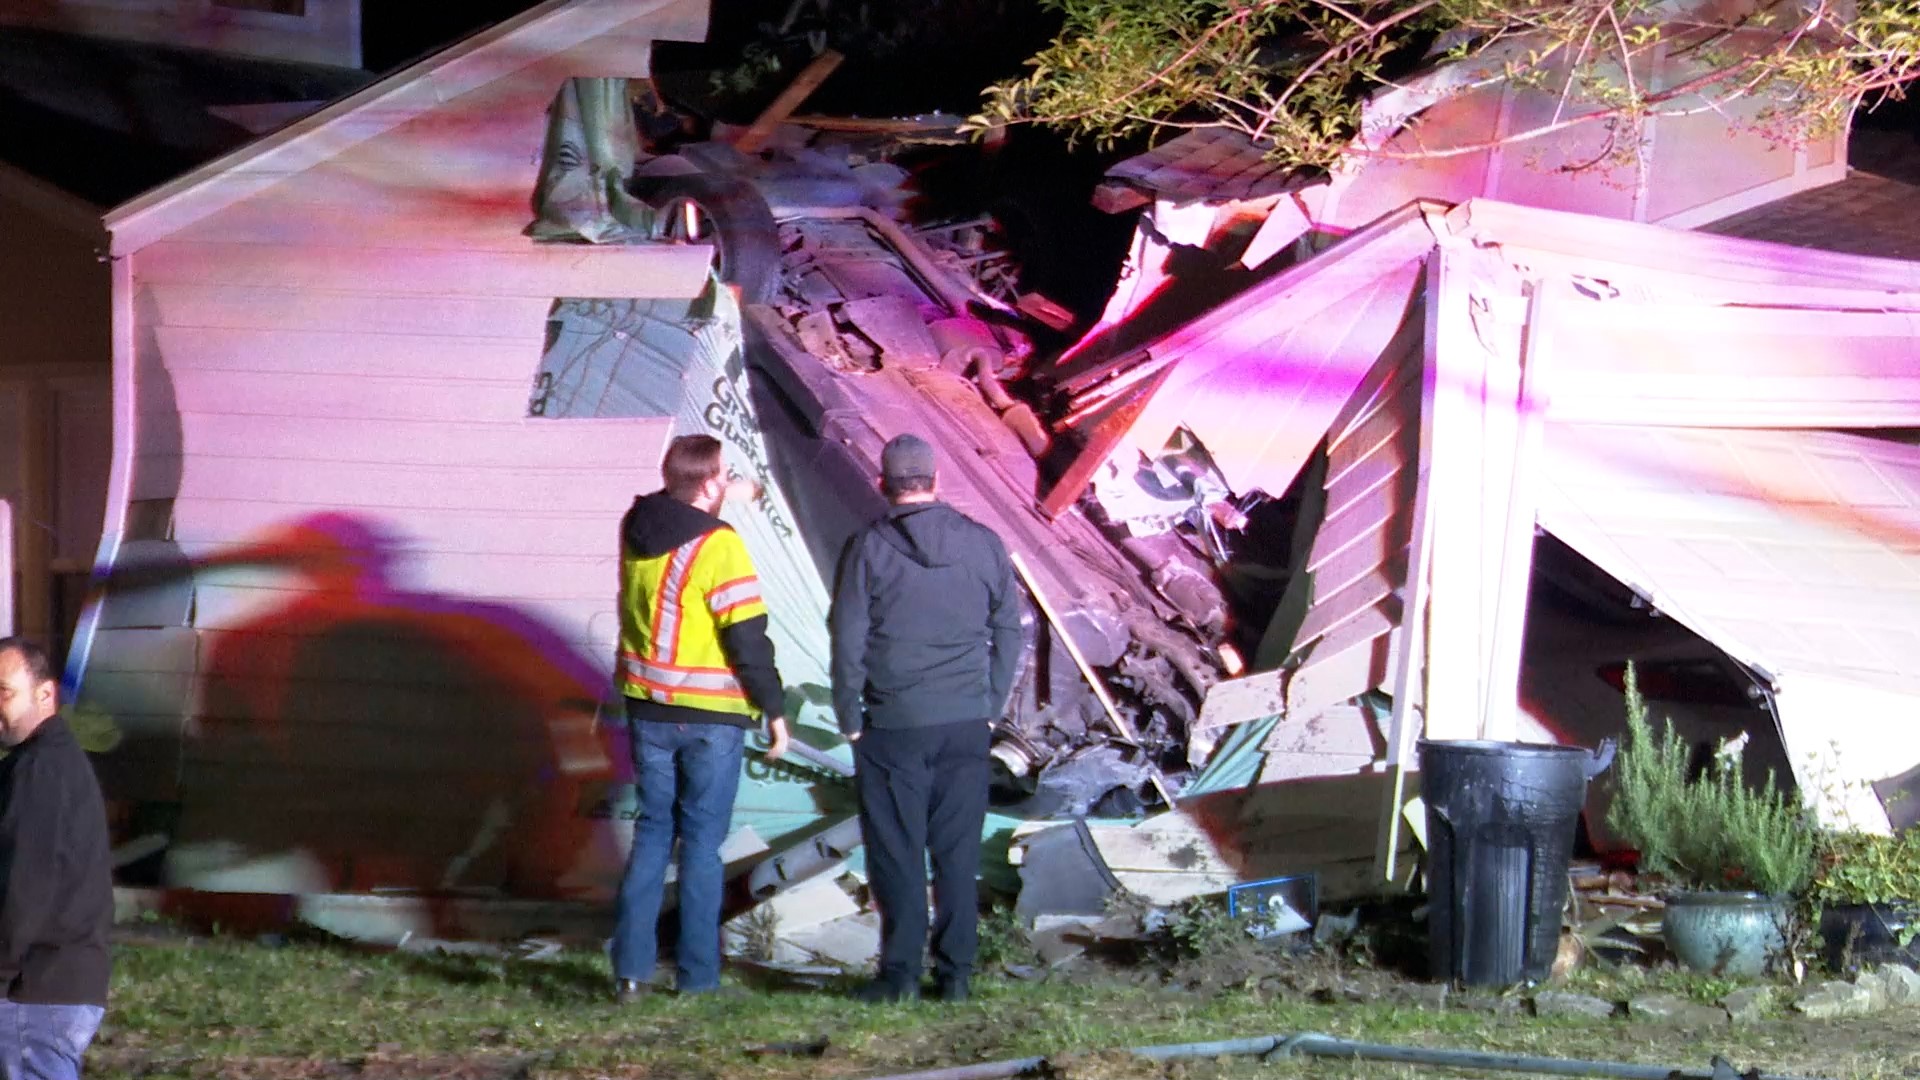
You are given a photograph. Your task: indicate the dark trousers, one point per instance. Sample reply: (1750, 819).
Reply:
(923, 797)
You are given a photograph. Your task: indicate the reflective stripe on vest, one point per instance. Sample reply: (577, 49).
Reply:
(666, 605)
(670, 679)
(733, 594)
(670, 650)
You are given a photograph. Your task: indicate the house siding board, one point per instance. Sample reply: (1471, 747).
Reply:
(352, 485)
(424, 443)
(203, 524)
(1843, 596)
(449, 359)
(538, 271)
(401, 588)
(274, 395)
(244, 308)
(1359, 555)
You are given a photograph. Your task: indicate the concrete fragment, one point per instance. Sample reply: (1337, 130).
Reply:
(1335, 929)
(1563, 1003)
(1876, 988)
(1675, 1011)
(817, 334)
(819, 899)
(1902, 983)
(1060, 944)
(1748, 1005)
(1831, 999)
(1044, 923)
(851, 942)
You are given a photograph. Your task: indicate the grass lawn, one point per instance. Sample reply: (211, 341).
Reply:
(222, 1007)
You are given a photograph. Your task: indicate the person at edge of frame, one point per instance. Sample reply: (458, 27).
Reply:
(56, 878)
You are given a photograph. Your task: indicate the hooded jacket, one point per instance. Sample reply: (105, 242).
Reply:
(654, 527)
(56, 875)
(926, 622)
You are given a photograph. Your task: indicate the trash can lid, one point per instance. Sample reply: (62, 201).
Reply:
(1489, 746)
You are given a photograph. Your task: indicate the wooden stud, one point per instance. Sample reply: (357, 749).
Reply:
(1101, 440)
(796, 92)
(1119, 722)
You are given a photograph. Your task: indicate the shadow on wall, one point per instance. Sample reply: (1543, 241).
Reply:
(362, 735)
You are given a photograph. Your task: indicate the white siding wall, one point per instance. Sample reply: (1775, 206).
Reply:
(380, 600)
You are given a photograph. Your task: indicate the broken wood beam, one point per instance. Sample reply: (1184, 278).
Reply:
(938, 124)
(1098, 443)
(1045, 312)
(1114, 716)
(801, 88)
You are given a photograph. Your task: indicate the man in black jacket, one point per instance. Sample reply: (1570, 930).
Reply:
(926, 644)
(56, 878)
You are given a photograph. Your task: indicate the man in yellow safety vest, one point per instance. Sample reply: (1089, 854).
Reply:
(696, 667)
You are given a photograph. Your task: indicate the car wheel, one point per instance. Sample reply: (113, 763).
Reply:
(728, 213)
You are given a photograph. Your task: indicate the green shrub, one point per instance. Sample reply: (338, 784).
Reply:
(1706, 832)
(1200, 927)
(1861, 868)
(1004, 941)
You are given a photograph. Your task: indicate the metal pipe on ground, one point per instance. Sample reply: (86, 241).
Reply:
(1313, 1045)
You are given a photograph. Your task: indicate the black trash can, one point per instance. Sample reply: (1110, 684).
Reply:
(1501, 819)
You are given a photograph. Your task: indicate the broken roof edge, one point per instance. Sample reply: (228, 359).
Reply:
(172, 206)
(1404, 235)
(1660, 247)
(1410, 231)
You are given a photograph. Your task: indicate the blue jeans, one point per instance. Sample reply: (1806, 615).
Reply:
(688, 775)
(44, 1042)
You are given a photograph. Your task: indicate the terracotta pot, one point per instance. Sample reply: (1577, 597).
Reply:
(1720, 933)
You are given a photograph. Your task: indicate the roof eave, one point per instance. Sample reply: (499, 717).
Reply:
(163, 210)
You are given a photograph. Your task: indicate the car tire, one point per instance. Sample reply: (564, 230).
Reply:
(734, 217)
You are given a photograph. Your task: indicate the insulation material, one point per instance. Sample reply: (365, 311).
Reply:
(682, 359)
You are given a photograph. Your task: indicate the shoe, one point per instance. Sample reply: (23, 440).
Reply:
(883, 992)
(952, 989)
(628, 991)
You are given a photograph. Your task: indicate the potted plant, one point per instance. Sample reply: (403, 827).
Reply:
(1868, 893)
(1732, 853)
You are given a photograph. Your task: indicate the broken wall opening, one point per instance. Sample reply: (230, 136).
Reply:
(1583, 628)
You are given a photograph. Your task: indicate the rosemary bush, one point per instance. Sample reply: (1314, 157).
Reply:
(1710, 831)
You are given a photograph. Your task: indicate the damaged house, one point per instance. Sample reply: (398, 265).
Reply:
(1416, 450)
